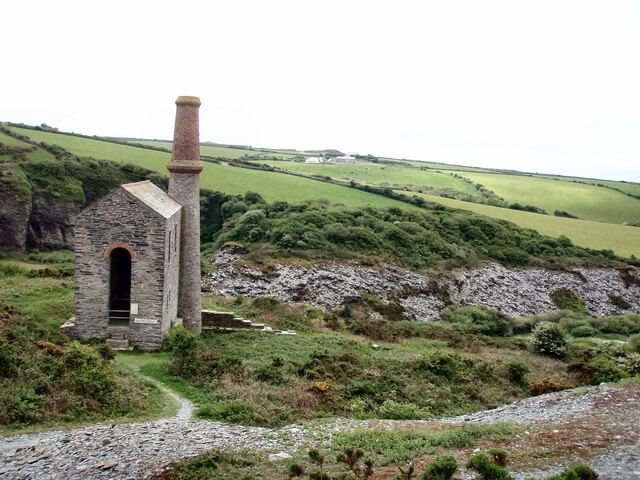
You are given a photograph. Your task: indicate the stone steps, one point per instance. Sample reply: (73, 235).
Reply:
(227, 321)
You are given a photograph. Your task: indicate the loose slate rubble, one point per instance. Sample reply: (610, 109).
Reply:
(138, 450)
(517, 292)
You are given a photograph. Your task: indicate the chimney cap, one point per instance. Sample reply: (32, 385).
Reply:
(186, 100)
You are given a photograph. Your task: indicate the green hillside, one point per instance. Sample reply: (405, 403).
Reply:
(624, 240)
(216, 151)
(584, 200)
(225, 178)
(384, 175)
(588, 202)
(626, 187)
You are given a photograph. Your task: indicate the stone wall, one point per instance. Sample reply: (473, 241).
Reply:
(516, 292)
(121, 219)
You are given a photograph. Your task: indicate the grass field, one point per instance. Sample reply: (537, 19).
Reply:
(384, 175)
(10, 141)
(624, 240)
(627, 187)
(219, 152)
(229, 179)
(585, 201)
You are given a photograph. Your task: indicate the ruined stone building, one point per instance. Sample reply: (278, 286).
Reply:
(137, 252)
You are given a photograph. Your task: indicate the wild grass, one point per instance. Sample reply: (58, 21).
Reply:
(397, 447)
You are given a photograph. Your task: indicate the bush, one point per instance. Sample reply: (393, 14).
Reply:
(602, 369)
(498, 456)
(577, 472)
(483, 466)
(479, 319)
(549, 339)
(582, 331)
(634, 343)
(231, 411)
(442, 468)
(547, 386)
(517, 371)
(567, 300)
(631, 363)
(621, 324)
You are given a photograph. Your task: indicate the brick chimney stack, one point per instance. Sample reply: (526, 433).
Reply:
(184, 187)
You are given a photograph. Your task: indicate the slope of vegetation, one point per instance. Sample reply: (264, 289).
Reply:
(224, 178)
(45, 379)
(415, 238)
(588, 202)
(624, 240)
(346, 363)
(219, 151)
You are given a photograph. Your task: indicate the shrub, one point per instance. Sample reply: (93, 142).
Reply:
(269, 373)
(634, 343)
(621, 324)
(583, 331)
(184, 346)
(231, 411)
(631, 363)
(517, 371)
(577, 472)
(498, 456)
(565, 299)
(479, 319)
(442, 468)
(547, 386)
(549, 339)
(602, 369)
(483, 466)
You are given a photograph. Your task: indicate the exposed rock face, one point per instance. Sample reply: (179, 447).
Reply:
(42, 223)
(14, 220)
(50, 224)
(516, 292)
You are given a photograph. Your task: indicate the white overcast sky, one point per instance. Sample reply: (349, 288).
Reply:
(548, 86)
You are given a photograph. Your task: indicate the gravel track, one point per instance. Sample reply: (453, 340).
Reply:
(136, 450)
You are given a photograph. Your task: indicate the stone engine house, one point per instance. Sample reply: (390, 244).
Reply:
(137, 252)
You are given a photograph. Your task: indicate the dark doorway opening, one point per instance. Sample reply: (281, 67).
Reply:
(120, 287)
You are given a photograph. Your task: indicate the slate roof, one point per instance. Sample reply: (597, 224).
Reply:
(153, 197)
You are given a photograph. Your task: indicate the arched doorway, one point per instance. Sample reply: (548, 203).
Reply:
(120, 287)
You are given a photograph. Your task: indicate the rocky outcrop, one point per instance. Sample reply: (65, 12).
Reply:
(38, 222)
(15, 210)
(50, 224)
(516, 292)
